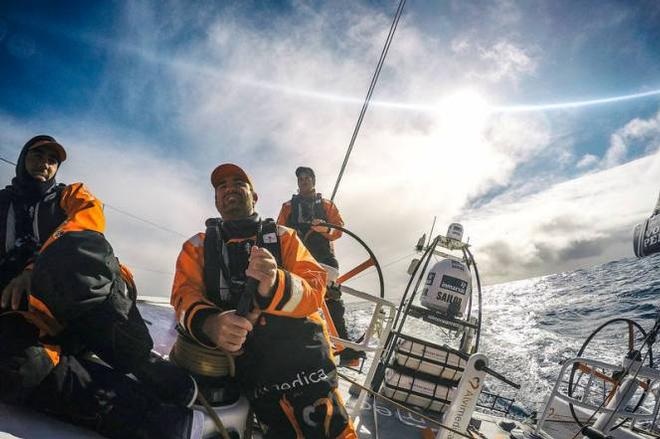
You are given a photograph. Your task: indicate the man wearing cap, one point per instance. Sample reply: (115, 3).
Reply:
(64, 296)
(303, 213)
(32, 208)
(283, 361)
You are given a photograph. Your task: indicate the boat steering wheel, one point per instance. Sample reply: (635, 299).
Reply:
(635, 340)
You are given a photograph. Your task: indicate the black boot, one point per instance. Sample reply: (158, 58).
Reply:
(167, 380)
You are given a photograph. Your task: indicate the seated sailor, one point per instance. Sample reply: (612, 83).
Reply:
(283, 362)
(64, 296)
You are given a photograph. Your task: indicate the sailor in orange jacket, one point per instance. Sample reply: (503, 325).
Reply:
(303, 213)
(283, 360)
(64, 294)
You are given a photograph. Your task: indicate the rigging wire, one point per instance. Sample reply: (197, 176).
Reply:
(123, 212)
(146, 221)
(372, 85)
(7, 161)
(135, 217)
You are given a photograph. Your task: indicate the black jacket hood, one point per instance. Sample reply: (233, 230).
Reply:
(24, 184)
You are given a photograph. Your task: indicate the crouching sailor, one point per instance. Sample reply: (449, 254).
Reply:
(283, 362)
(64, 296)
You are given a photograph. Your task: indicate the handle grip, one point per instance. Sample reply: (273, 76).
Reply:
(246, 301)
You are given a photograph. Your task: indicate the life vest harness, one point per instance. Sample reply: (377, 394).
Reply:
(24, 227)
(218, 278)
(299, 219)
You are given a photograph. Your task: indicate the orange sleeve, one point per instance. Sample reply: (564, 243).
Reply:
(284, 213)
(188, 291)
(333, 218)
(83, 212)
(300, 282)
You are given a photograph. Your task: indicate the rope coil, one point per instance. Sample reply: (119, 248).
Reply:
(200, 360)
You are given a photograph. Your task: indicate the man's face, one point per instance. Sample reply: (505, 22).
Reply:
(305, 183)
(234, 198)
(41, 163)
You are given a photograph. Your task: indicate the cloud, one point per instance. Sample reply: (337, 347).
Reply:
(568, 225)
(272, 92)
(134, 183)
(642, 134)
(404, 170)
(587, 161)
(508, 62)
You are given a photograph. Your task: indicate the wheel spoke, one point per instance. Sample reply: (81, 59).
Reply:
(631, 337)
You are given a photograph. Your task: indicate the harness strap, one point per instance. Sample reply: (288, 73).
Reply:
(215, 266)
(318, 211)
(212, 257)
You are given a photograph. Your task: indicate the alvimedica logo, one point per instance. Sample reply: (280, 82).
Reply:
(302, 379)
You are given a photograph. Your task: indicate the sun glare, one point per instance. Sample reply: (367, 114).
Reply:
(464, 110)
(461, 119)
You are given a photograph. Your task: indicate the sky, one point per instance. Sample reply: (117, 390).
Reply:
(535, 124)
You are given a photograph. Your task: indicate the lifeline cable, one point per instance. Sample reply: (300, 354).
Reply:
(370, 92)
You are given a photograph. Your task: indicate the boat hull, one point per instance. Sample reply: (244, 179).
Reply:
(646, 237)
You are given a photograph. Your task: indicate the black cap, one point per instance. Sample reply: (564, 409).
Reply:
(305, 170)
(43, 141)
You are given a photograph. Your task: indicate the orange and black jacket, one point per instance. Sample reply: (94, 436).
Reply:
(63, 209)
(298, 214)
(299, 291)
(69, 208)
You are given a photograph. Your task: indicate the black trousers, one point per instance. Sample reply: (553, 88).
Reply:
(287, 373)
(78, 280)
(81, 391)
(316, 412)
(337, 311)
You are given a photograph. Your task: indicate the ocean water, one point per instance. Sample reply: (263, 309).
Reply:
(530, 326)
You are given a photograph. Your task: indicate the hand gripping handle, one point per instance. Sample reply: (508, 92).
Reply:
(246, 301)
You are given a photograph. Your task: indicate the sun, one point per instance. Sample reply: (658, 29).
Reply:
(458, 134)
(464, 111)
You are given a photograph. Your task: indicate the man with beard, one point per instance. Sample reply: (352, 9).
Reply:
(283, 361)
(303, 213)
(65, 296)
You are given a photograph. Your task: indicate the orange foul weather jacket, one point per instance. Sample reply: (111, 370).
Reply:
(299, 212)
(302, 297)
(82, 211)
(287, 365)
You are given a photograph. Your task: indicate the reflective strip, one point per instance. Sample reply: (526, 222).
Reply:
(53, 353)
(43, 318)
(35, 222)
(196, 241)
(10, 236)
(283, 278)
(297, 291)
(191, 311)
(289, 412)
